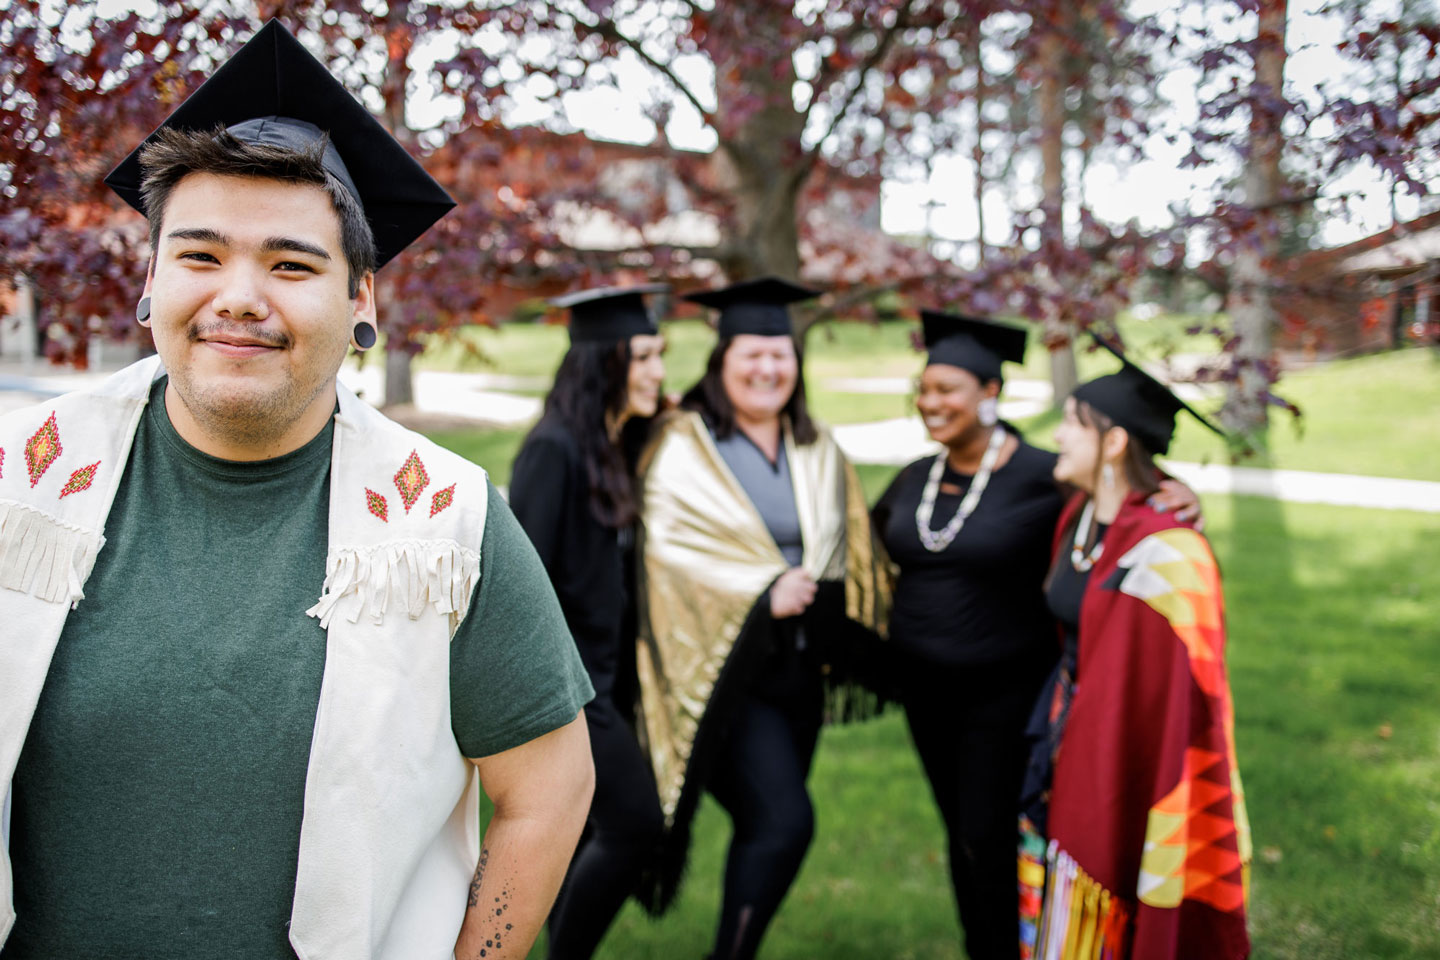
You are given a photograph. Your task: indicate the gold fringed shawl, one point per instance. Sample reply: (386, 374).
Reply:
(707, 556)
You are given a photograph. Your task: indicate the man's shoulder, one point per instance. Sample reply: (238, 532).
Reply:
(386, 440)
(398, 486)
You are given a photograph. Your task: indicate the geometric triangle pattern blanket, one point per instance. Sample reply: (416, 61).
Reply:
(1147, 802)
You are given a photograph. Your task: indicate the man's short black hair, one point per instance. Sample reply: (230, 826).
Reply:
(173, 155)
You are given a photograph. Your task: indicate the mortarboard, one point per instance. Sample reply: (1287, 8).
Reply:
(1138, 402)
(754, 306)
(980, 346)
(609, 314)
(273, 91)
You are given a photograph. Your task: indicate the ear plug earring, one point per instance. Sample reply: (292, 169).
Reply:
(362, 338)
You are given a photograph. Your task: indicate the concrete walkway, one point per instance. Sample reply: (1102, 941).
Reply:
(895, 442)
(483, 400)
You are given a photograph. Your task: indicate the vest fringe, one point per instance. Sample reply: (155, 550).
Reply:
(44, 556)
(419, 573)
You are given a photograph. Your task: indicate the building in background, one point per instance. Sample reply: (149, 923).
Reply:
(1377, 293)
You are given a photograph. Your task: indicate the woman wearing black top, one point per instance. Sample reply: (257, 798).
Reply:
(572, 490)
(972, 639)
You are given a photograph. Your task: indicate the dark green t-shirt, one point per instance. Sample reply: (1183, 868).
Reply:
(159, 794)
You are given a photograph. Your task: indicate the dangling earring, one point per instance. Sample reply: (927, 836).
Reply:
(988, 412)
(1107, 475)
(142, 312)
(362, 338)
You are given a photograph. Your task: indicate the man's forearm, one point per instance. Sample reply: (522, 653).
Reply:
(522, 863)
(541, 790)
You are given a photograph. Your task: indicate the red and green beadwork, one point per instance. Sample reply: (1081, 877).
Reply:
(42, 449)
(376, 504)
(410, 479)
(442, 499)
(79, 480)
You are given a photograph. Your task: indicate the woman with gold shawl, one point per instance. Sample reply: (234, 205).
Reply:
(758, 582)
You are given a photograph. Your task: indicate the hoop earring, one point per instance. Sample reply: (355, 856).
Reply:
(988, 412)
(362, 337)
(142, 312)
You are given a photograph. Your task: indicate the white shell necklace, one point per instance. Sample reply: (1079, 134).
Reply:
(1079, 559)
(937, 540)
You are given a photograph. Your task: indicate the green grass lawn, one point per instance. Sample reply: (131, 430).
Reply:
(1335, 664)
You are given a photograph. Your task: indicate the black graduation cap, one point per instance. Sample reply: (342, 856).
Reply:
(273, 91)
(754, 306)
(609, 314)
(1138, 402)
(969, 343)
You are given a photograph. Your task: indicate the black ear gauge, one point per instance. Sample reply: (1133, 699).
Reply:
(142, 311)
(362, 338)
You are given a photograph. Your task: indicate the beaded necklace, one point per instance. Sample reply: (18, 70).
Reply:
(1079, 559)
(937, 540)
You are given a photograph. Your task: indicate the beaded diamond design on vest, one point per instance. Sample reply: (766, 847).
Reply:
(376, 504)
(79, 480)
(42, 449)
(411, 479)
(442, 499)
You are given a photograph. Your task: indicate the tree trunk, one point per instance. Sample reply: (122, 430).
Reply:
(762, 157)
(399, 382)
(977, 53)
(1251, 311)
(1050, 98)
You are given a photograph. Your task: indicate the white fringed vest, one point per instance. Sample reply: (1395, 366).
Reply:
(389, 837)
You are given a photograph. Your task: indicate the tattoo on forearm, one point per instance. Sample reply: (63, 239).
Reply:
(479, 877)
(496, 939)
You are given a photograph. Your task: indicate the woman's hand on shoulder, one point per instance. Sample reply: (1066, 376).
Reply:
(791, 594)
(1174, 497)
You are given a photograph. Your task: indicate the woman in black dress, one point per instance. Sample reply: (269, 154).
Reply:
(971, 638)
(572, 490)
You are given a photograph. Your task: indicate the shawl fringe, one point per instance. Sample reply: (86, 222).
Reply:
(44, 556)
(1080, 920)
(416, 572)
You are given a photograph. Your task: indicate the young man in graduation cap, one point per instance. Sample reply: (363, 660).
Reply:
(1146, 845)
(263, 646)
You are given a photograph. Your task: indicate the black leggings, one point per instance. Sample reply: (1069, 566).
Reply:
(621, 837)
(759, 778)
(968, 724)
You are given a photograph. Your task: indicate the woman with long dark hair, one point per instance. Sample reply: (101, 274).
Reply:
(573, 491)
(1148, 846)
(758, 575)
(971, 641)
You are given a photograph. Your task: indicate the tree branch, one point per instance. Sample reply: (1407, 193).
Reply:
(853, 297)
(883, 45)
(607, 30)
(824, 77)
